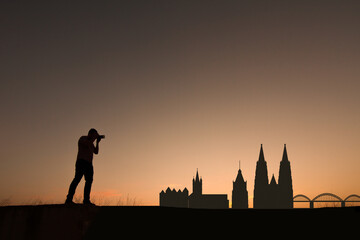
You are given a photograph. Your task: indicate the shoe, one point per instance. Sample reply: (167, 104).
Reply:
(88, 203)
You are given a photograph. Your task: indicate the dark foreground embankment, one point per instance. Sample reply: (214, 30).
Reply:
(82, 222)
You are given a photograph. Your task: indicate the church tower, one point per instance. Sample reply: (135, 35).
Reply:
(261, 182)
(273, 194)
(285, 182)
(239, 192)
(197, 185)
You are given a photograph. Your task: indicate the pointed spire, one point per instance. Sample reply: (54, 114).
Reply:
(197, 175)
(285, 157)
(261, 155)
(239, 177)
(273, 181)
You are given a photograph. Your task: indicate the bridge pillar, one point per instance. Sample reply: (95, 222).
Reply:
(311, 204)
(342, 203)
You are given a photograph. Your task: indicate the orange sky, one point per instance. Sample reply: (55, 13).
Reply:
(175, 87)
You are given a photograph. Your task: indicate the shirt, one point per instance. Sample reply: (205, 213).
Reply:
(86, 149)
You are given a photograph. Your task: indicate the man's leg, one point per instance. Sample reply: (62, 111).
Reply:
(79, 172)
(89, 173)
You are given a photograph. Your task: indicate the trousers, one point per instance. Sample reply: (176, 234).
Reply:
(82, 168)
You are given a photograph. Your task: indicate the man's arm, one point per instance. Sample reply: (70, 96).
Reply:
(96, 149)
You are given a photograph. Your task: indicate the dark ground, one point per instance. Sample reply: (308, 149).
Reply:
(83, 222)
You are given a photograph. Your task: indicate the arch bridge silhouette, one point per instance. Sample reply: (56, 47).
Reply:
(327, 197)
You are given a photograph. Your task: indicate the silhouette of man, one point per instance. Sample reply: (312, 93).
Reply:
(83, 166)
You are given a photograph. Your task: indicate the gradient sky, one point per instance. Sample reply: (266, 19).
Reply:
(176, 86)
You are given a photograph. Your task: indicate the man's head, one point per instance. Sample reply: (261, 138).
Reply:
(93, 134)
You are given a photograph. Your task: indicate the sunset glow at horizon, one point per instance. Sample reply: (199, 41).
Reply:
(177, 87)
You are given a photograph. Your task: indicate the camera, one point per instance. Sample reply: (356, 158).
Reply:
(101, 137)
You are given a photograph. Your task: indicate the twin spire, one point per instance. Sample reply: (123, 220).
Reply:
(262, 158)
(273, 195)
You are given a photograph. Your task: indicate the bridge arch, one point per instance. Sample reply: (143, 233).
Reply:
(353, 198)
(353, 195)
(301, 195)
(327, 194)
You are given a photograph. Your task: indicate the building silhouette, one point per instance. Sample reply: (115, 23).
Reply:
(173, 198)
(197, 185)
(199, 200)
(239, 192)
(273, 195)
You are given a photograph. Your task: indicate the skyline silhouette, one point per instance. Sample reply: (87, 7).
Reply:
(178, 85)
(273, 195)
(266, 195)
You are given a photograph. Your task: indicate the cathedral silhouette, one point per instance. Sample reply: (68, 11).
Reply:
(266, 195)
(273, 195)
